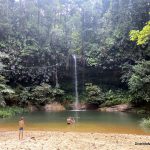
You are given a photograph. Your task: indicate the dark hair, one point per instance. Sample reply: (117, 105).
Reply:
(21, 118)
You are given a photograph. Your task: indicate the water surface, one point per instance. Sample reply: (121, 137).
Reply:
(86, 121)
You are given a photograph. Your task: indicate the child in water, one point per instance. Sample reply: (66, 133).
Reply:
(70, 120)
(21, 127)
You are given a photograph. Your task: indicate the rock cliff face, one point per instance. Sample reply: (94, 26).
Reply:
(116, 108)
(54, 107)
(84, 106)
(32, 108)
(48, 107)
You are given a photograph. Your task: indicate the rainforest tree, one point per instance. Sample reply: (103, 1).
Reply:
(38, 38)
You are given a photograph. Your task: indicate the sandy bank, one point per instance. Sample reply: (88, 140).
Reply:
(37, 140)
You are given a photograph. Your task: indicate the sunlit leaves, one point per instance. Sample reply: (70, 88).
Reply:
(141, 37)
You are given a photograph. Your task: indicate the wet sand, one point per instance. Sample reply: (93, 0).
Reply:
(52, 140)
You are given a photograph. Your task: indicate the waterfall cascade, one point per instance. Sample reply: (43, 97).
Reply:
(76, 83)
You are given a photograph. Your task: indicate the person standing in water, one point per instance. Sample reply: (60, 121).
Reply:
(21, 128)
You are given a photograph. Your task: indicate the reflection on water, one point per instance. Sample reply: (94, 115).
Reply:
(86, 121)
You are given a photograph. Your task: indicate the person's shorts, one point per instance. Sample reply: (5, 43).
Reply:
(21, 129)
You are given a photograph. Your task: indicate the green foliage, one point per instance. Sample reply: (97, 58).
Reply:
(146, 123)
(6, 92)
(139, 83)
(24, 97)
(68, 98)
(82, 97)
(116, 97)
(143, 36)
(2, 79)
(37, 35)
(58, 94)
(94, 94)
(11, 111)
(141, 111)
(2, 45)
(44, 93)
(38, 95)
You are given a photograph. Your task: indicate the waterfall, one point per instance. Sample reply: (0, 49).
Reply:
(76, 82)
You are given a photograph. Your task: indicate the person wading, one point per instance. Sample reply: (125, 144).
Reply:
(70, 120)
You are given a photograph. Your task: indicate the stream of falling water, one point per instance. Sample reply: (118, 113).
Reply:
(76, 82)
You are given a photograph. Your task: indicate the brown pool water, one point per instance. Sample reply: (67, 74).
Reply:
(86, 121)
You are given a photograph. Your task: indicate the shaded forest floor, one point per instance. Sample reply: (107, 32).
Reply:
(72, 141)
